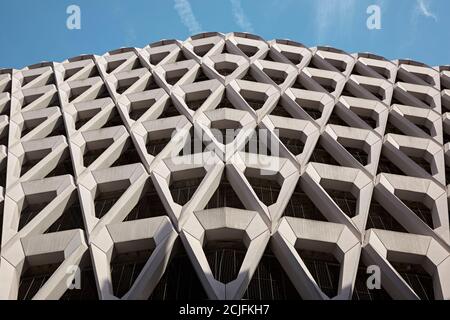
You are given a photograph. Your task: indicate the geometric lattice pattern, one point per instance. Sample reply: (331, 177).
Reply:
(122, 168)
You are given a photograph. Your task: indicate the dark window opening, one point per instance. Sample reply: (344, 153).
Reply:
(417, 278)
(32, 158)
(169, 110)
(424, 98)
(193, 144)
(125, 268)
(371, 122)
(103, 93)
(225, 196)
(225, 259)
(49, 81)
(113, 65)
(447, 174)
(301, 206)
(255, 103)
(270, 281)
(148, 206)
(180, 280)
(154, 147)
(183, 190)
(33, 204)
(392, 128)
(5, 109)
(445, 104)
(88, 289)
(58, 129)
(258, 143)
(107, 195)
(2, 180)
(337, 120)
(421, 210)
(321, 155)
(137, 109)
(277, 76)
(361, 292)
(324, 268)
(71, 72)
(396, 99)
(387, 166)
(421, 162)
(249, 76)
(225, 131)
(64, 166)
(129, 155)
(295, 146)
(338, 64)
(181, 57)
(54, 101)
(401, 76)
(375, 90)
(125, 84)
(195, 100)
(348, 92)
(270, 57)
(225, 103)
(28, 79)
(266, 190)
(136, 64)
(72, 217)
(345, 200)
(203, 49)
(281, 111)
(384, 72)
(379, 218)
(5, 87)
(83, 117)
(316, 65)
(156, 58)
(422, 126)
(29, 125)
(299, 84)
(150, 85)
(33, 279)
(293, 57)
(172, 77)
(225, 68)
(446, 136)
(78, 91)
(328, 84)
(93, 150)
(114, 119)
(359, 154)
(313, 108)
(249, 51)
(201, 76)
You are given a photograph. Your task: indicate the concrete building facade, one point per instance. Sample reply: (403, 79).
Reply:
(225, 167)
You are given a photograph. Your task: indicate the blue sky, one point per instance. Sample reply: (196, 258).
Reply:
(35, 30)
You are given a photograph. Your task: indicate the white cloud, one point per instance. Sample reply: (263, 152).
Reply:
(332, 15)
(240, 17)
(424, 9)
(184, 9)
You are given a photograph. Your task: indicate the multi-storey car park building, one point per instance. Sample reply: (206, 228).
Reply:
(97, 174)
